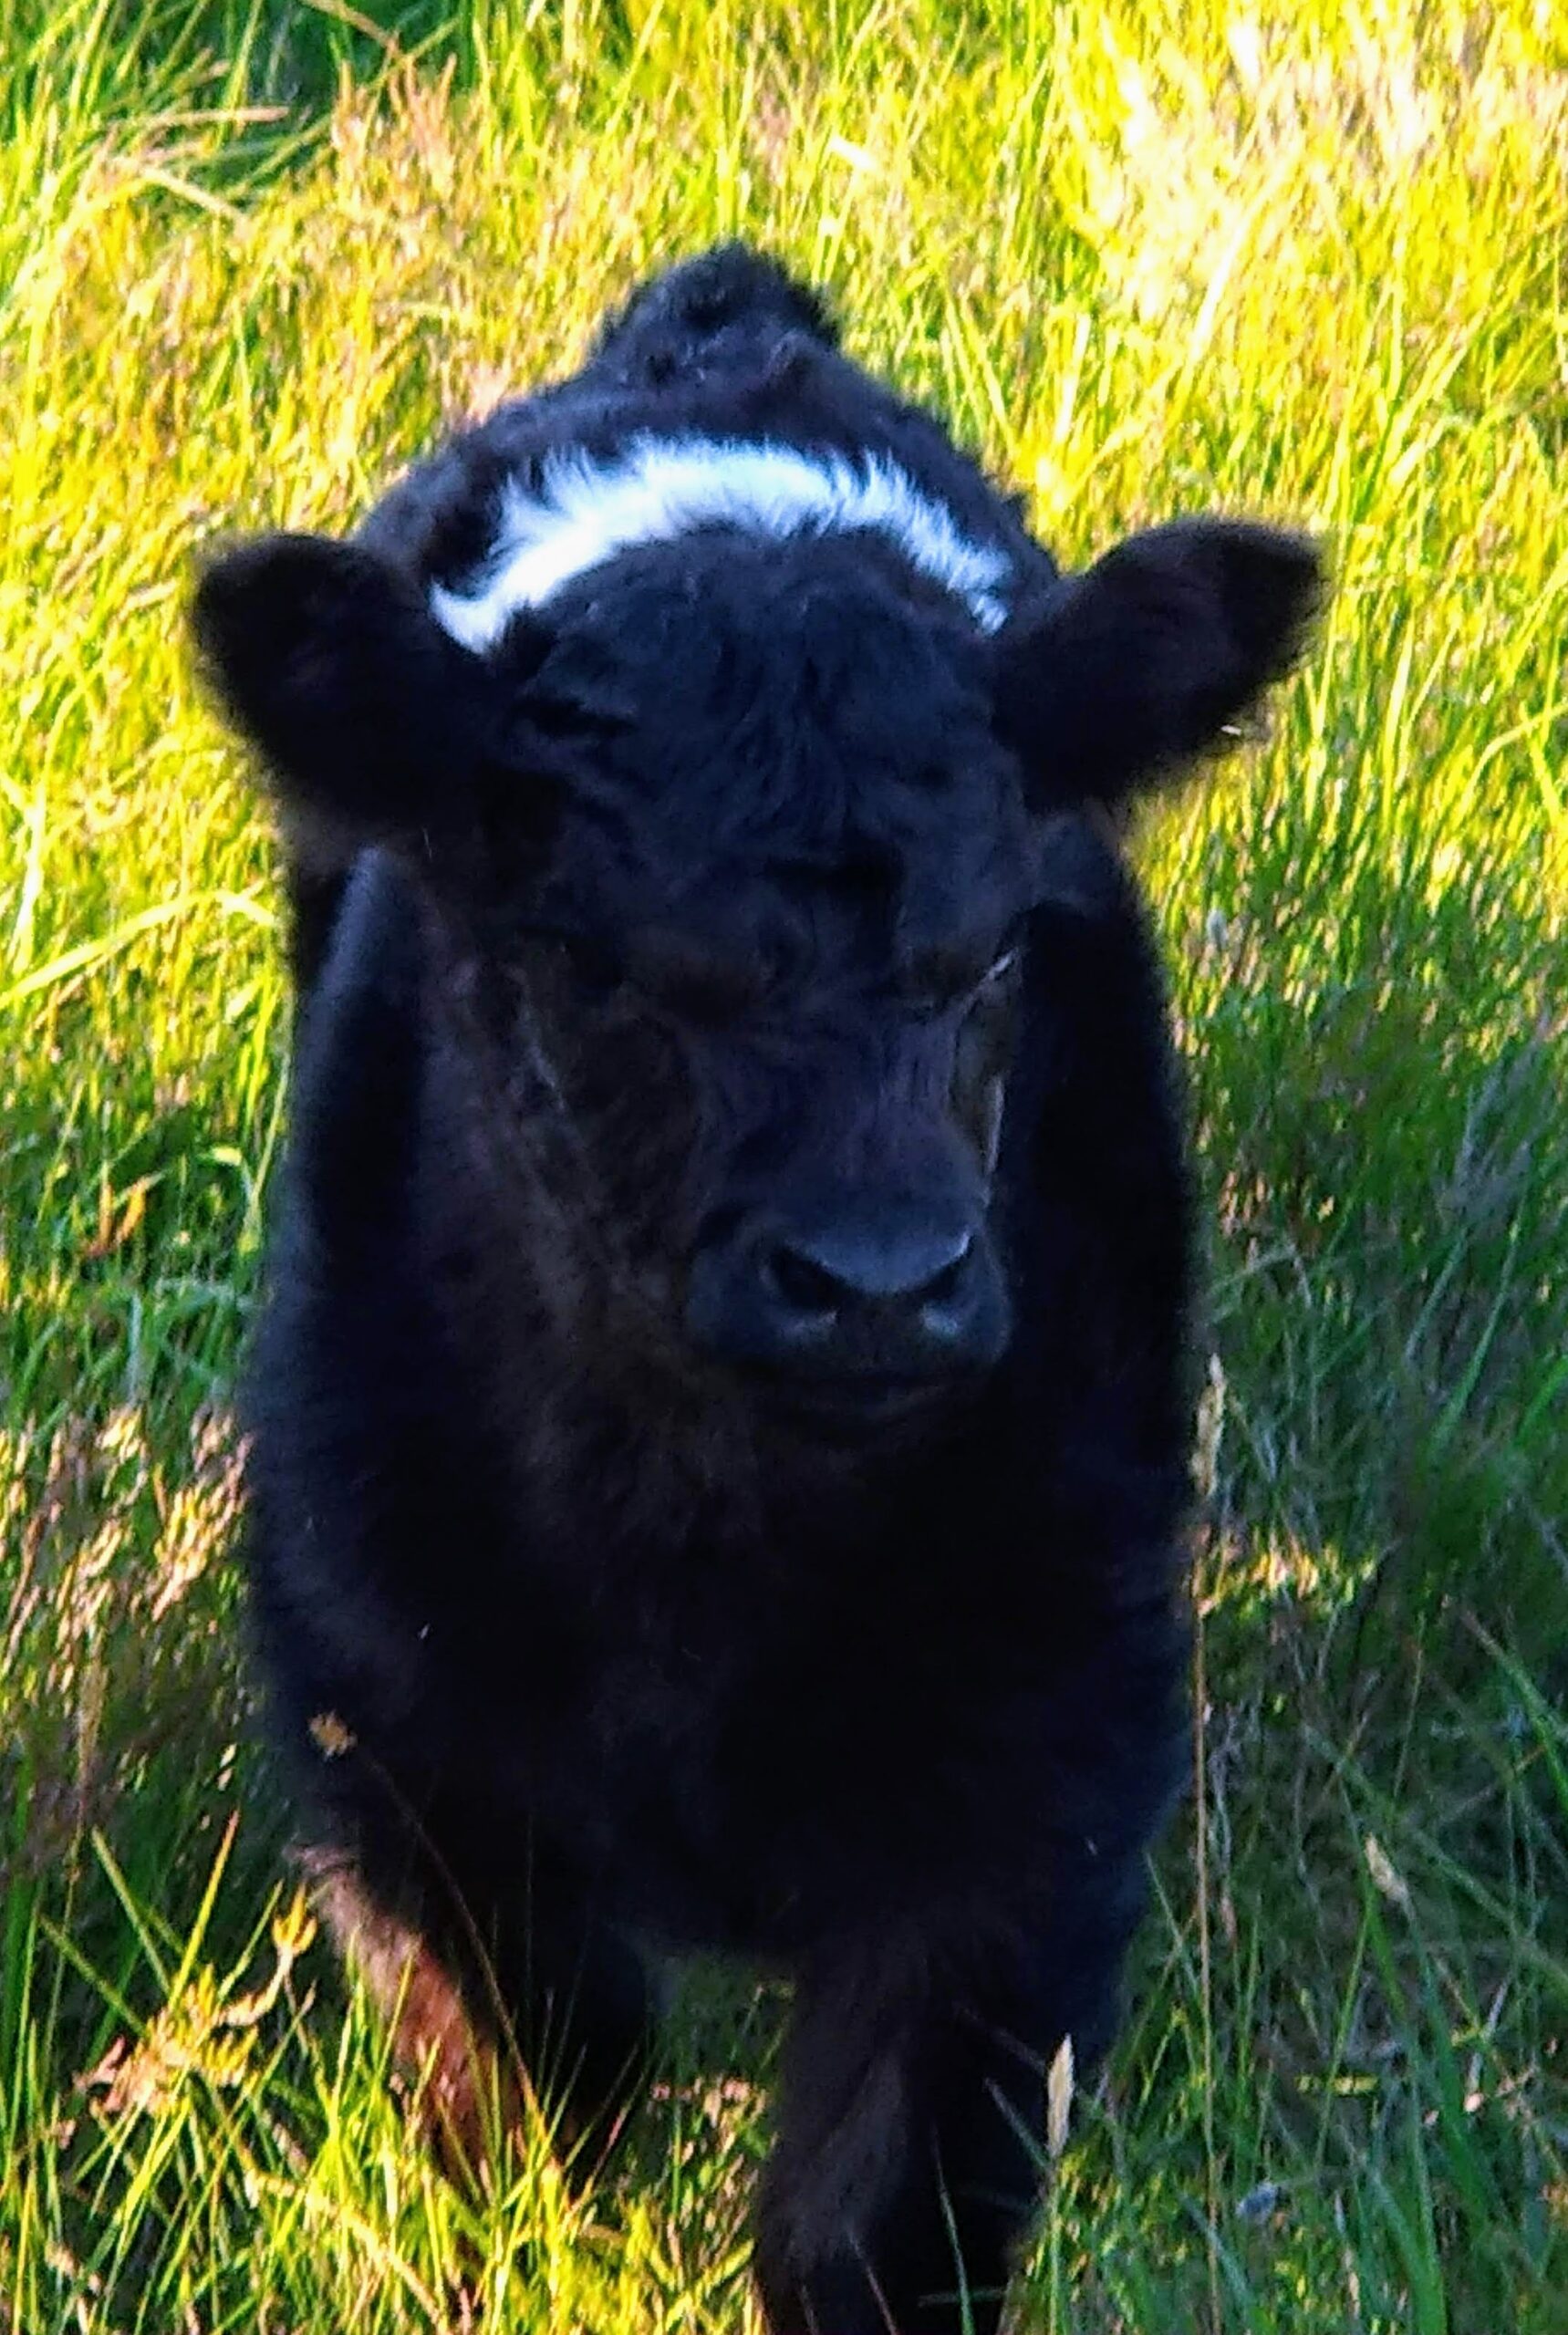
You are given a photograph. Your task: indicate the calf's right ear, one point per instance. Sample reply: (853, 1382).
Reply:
(328, 660)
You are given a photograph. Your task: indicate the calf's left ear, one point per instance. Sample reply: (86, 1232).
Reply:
(328, 658)
(1118, 677)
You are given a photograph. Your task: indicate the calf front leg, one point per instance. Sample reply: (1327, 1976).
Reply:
(911, 2124)
(491, 1999)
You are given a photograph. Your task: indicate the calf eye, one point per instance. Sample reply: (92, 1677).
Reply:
(942, 977)
(592, 970)
(692, 982)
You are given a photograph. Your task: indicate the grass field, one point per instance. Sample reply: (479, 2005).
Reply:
(1303, 260)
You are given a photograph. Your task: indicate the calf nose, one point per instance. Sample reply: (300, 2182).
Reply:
(838, 1266)
(867, 1292)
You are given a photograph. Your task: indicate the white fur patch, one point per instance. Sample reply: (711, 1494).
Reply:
(585, 512)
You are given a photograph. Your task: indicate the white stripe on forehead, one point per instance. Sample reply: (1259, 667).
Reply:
(584, 512)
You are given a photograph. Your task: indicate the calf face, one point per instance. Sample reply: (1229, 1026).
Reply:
(732, 852)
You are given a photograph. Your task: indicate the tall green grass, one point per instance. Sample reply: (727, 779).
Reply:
(1303, 260)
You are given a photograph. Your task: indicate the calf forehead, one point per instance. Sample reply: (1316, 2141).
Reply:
(790, 704)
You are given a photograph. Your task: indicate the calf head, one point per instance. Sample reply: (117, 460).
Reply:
(730, 852)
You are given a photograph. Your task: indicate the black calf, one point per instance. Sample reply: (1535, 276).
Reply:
(719, 1413)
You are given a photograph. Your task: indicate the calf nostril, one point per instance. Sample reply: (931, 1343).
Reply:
(943, 1286)
(804, 1287)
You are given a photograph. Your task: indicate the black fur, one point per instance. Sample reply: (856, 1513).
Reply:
(688, 912)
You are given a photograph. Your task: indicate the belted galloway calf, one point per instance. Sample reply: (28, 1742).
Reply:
(720, 1416)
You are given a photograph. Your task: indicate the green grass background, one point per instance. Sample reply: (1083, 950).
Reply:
(1300, 260)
